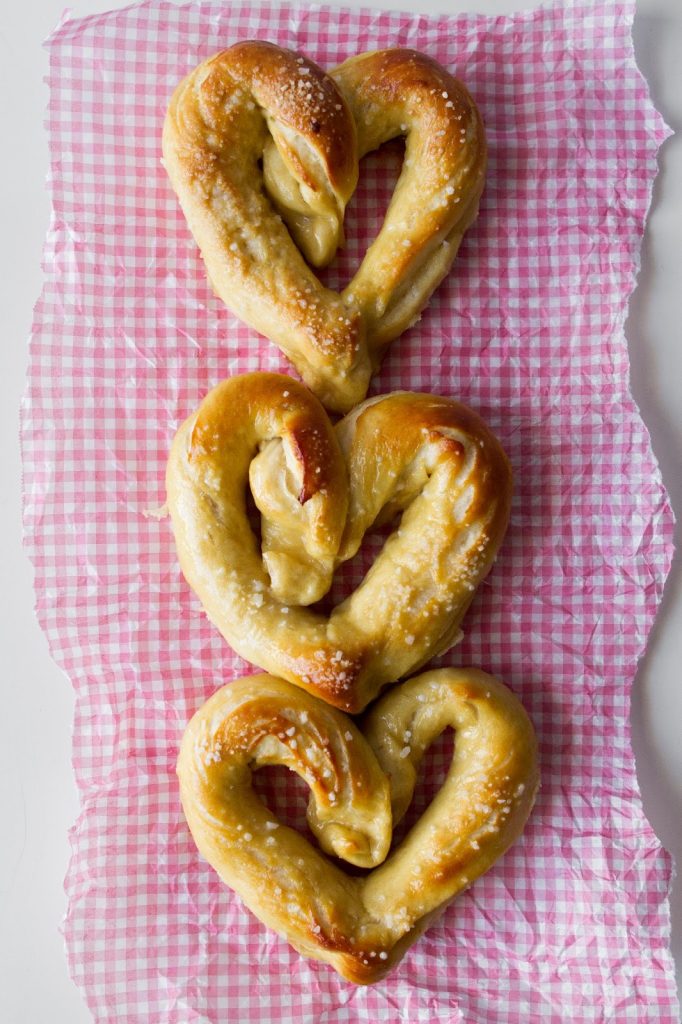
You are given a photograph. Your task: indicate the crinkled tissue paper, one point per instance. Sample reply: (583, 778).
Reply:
(528, 328)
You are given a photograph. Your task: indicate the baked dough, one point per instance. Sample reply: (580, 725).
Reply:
(319, 488)
(257, 136)
(362, 926)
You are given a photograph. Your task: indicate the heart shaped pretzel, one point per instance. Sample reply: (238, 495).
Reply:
(362, 926)
(257, 133)
(319, 489)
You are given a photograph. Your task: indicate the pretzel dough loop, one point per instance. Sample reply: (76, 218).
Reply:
(303, 519)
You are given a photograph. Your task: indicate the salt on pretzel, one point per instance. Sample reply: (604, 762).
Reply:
(394, 93)
(257, 133)
(362, 926)
(430, 460)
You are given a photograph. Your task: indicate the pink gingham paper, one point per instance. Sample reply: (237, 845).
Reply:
(572, 924)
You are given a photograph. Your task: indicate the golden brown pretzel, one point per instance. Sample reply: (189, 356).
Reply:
(362, 926)
(258, 104)
(319, 489)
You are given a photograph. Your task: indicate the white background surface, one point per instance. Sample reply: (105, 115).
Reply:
(37, 794)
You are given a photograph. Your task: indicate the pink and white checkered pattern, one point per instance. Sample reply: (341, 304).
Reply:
(573, 923)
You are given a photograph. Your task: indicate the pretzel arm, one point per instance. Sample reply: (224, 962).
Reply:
(395, 93)
(479, 811)
(259, 721)
(437, 461)
(215, 135)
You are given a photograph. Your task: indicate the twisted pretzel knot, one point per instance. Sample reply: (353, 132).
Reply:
(319, 488)
(361, 783)
(257, 137)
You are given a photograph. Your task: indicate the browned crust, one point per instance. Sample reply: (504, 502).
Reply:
(336, 679)
(238, 401)
(304, 98)
(421, 415)
(289, 87)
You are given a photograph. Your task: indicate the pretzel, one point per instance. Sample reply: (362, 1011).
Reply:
(257, 136)
(361, 783)
(319, 489)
